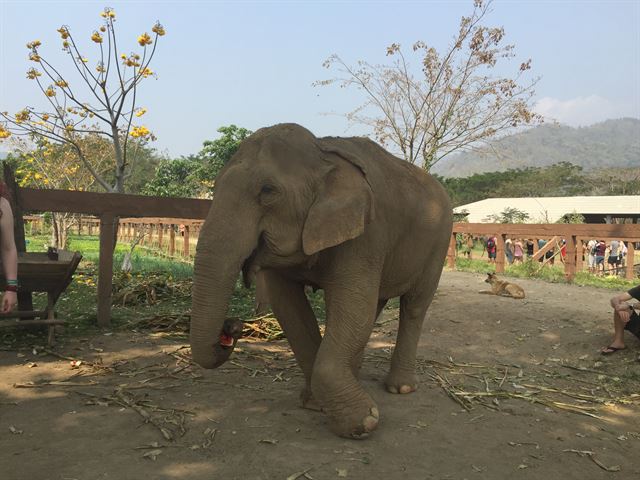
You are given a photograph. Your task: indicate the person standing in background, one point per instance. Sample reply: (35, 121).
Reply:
(8, 252)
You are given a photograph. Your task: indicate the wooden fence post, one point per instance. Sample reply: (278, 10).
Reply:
(186, 246)
(105, 269)
(451, 253)
(172, 240)
(570, 257)
(629, 274)
(500, 253)
(579, 253)
(160, 235)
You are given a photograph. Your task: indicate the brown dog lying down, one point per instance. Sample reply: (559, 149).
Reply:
(502, 288)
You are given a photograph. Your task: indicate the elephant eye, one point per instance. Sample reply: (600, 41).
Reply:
(267, 189)
(268, 194)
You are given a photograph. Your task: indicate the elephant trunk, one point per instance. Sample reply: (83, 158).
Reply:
(219, 258)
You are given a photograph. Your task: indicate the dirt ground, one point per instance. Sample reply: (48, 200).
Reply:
(508, 389)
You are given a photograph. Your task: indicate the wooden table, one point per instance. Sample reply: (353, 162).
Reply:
(38, 273)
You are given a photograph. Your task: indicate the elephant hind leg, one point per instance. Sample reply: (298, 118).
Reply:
(413, 309)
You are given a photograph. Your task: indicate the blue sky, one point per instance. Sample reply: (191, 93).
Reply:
(252, 63)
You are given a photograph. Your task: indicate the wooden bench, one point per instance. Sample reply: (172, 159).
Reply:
(38, 273)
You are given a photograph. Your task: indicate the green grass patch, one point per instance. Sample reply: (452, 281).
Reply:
(549, 273)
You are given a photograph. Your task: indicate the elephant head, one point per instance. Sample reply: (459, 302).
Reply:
(282, 198)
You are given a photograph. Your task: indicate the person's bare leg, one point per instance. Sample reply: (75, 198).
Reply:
(618, 332)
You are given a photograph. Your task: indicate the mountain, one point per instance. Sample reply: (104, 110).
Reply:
(610, 144)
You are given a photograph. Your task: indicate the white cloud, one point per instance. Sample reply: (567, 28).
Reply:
(581, 111)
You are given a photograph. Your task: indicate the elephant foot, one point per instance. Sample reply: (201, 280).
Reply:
(401, 383)
(357, 425)
(308, 400)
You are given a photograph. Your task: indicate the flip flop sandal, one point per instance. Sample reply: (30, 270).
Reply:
(611, 350)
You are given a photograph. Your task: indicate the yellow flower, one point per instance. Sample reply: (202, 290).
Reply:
(4, 133)
(33, 73)
(61, 83)
(131, 62)
(38, 176)
(69, 128)
(65, 44)
(141, 112)
(50, 92)
(144, 39)
(158, 29)
(108, 13)
(83, 60)
(146, 72)
(100, 68)
(22, 116)
(103, 29)
(138, 132)
(34, 57)
(64, 33)
(45, 117)
(34, 44)
(96, 37)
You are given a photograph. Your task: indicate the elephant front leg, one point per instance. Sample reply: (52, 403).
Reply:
(291, 307)
(351, 312)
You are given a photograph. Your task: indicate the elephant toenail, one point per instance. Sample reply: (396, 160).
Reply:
(374, 412)
(406, 389)
(370, 423)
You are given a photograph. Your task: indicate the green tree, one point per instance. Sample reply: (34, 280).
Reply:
(216, 153)
(175, 178)
(509, 215)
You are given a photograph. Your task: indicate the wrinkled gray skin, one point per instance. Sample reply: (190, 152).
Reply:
(340, 214)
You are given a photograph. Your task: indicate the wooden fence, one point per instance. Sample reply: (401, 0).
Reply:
(177, 237)
(575, 236)
(108, 208)
(164, 218)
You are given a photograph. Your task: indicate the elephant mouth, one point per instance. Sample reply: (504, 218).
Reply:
(231, 332)
(225, 340)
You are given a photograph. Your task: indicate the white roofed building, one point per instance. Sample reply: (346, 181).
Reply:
(595, 209)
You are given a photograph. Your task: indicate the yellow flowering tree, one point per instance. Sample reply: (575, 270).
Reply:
(55, 165)
(110, 111)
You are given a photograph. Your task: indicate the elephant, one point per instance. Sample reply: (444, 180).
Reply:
(338, 214)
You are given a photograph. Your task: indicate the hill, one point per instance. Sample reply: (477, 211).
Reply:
(610, 144)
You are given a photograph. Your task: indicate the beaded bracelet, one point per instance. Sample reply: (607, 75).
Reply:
(11, 288)
(12, 282)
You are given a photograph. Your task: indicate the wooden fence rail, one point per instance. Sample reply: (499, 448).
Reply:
(575, 236)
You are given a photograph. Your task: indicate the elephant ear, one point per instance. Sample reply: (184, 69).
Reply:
(344, 202)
